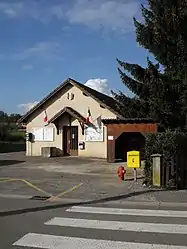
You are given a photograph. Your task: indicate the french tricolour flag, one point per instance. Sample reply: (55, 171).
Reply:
(88, 116)
(45, 118)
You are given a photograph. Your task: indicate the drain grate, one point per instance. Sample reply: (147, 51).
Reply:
(40, 198)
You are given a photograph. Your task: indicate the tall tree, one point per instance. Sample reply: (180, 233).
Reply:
(163, 33)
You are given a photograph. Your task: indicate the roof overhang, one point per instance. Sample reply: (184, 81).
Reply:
(70, 111)
(25, 117)
(71, 82)
(129, 121)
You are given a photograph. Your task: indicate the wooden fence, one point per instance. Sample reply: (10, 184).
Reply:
(174, 172)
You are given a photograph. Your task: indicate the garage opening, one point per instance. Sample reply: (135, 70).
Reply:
(128, 141)
(126, 135)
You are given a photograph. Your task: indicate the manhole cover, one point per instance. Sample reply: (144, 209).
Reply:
(40, 198)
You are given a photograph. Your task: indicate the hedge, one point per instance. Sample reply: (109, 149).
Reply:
(6, 147)
(168, 144)
(16, 136)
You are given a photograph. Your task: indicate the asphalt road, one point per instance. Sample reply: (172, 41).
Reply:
(95, 226)
(53, 224)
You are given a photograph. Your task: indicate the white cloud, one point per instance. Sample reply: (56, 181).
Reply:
(26, 107)
(11, 10)
(37, 10)
(41, 47)
(100, 85)
(27, 67)
(105, 14)
(44, 50)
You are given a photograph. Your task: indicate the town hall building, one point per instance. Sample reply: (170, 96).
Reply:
(79, 121)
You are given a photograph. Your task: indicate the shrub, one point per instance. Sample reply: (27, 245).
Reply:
(15, 136)
(168, 144)
(6, 147)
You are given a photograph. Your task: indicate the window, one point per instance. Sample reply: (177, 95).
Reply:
(43, 134)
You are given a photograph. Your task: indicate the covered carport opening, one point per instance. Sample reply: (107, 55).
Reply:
(125, 135)
(128, 141)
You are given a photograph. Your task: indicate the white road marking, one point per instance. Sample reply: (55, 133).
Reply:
(44, 241)
(133, 212)
(118, 225)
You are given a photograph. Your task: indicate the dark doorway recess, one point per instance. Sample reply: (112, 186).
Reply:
(128, 141)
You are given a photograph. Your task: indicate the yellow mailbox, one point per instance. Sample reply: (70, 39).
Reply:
(133, 159)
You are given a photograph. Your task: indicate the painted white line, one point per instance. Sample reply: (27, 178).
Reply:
(133, 212)
(44, 241)
(118, 225)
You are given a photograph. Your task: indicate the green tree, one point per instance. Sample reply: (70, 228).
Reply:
(8, 126)
(164, 34)
(13, 117)
(161, 96)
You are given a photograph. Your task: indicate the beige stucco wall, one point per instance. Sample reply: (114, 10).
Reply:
(80, 103)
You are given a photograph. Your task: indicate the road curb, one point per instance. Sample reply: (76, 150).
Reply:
(15, 196)
(68, 202)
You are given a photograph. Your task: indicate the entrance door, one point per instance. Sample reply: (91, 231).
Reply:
(70, 140)
(74, 140)
(66, 140)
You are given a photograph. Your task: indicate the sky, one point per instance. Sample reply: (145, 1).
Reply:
(44, 42)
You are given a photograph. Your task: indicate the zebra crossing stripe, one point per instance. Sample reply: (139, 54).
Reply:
(44, 241)
(131, 212)
(118, 225)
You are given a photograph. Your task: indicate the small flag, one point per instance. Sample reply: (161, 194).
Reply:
(88, 116)
(45, 117)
